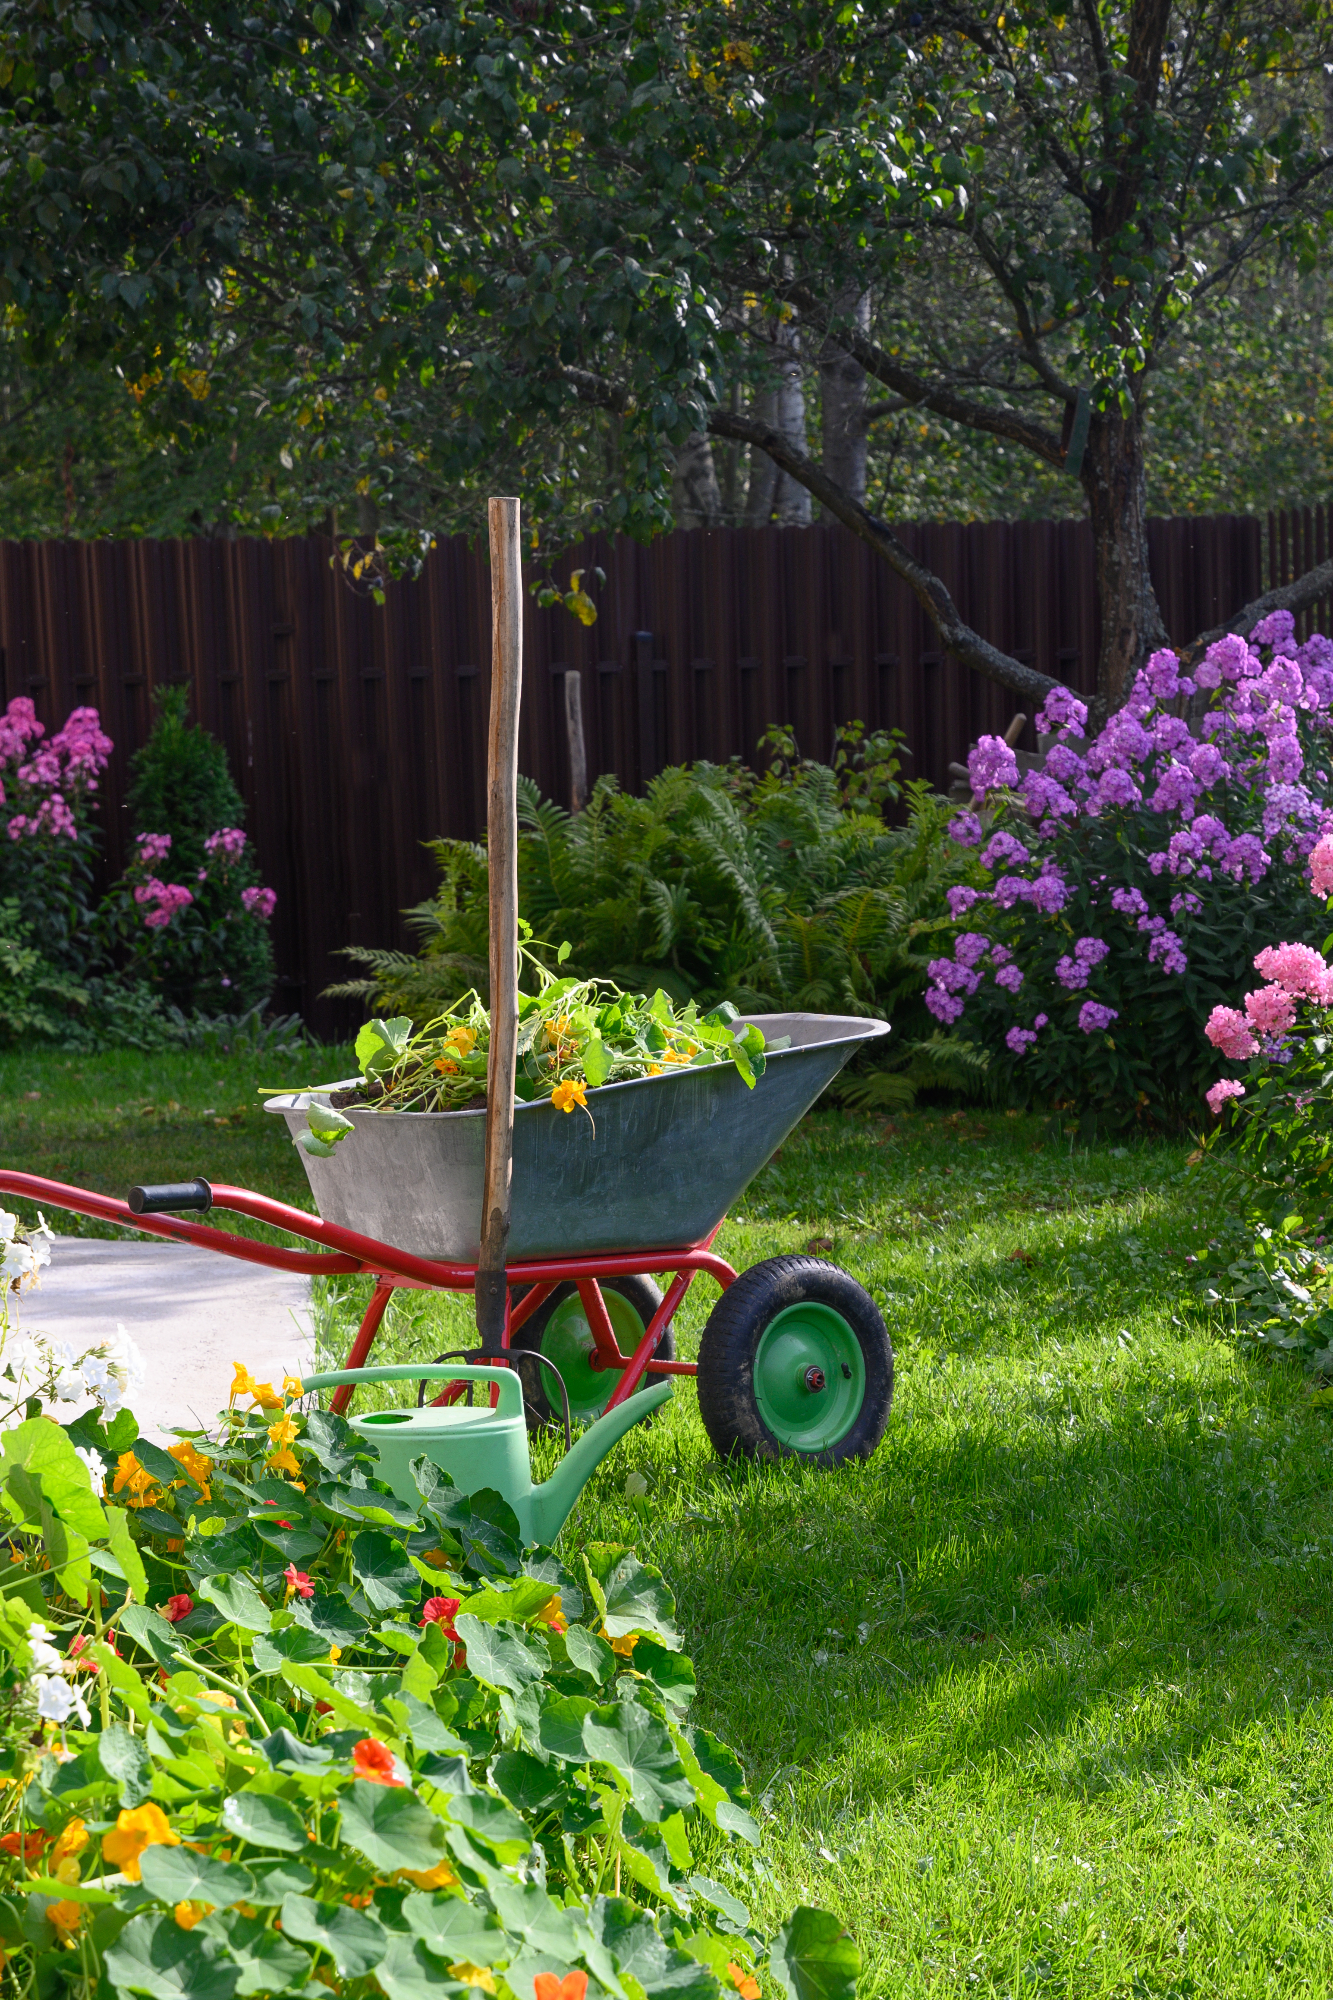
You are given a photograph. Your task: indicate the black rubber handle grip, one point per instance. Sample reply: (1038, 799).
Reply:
(170, 1195)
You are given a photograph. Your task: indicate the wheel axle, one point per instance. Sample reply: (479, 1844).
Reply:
(815, 1380)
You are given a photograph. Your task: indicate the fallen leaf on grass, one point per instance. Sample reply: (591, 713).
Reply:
(818, 1243)
(1021, 1257)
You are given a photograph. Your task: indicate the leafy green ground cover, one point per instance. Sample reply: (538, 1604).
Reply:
(1037, 1700)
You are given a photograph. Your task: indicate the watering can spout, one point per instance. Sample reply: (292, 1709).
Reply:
(552, 1502)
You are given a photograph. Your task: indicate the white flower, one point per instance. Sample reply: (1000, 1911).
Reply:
(41, 1240)
(45, 1658)
(92, 1460)
(69, 1386)
(57, 1700)
(8, 1224)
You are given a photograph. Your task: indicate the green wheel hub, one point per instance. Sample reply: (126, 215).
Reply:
(567, 1341)
(809, 1377)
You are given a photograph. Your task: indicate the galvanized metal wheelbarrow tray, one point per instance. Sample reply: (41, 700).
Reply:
(654, 1164)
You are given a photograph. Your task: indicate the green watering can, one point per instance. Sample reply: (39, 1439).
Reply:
(485, 1447)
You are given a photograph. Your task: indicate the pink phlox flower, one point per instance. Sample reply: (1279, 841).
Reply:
(965, 829)
(1061, 710)
(165, 899)
(991, 764)
(1129, 902)
(260, 902)
(1270, 1009)
(1229, 1031)
(1321, 867)
(1009, 977)
(1002, 847)
(226, 845)
(152, 849)
(1221, 1093)
(1299, 969)
(1093, 1017)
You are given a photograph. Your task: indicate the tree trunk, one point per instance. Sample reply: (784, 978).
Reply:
(842, 391)
(764, 473)
(1131, 620)
(791, 502)
(696, 497)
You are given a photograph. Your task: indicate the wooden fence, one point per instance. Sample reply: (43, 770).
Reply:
(357, 731)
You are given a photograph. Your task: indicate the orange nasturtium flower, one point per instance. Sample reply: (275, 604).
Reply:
(441, 1876)
(66, 1917)
(566, 1095)
(195, 1464)
(187, 1915)
(463, 1039)
(71, 1841)
(244, 1383)
(547, 1987)
(373, 1761)
(146, 1826)
(745, 1982)
(552, 1614)
(446, 1068)
(130, 1474)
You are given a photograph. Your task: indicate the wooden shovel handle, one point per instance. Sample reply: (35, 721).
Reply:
(502, 868)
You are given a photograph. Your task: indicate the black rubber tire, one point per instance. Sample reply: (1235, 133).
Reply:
(736, 1325)
(639, 1292)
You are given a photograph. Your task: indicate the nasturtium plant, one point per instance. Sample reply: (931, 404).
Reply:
(301, 1730)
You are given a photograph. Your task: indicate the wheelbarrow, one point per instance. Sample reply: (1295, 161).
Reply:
(795, 1359)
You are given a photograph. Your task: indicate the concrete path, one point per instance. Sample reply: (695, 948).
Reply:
(191, 1313)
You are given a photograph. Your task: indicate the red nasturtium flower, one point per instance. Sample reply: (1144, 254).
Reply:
(178, 1607)
(442, 1611)
(26, 1845)
(298, 1581)
(573, 1986)
(373, 1760)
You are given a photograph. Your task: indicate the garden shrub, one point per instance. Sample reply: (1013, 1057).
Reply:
(1130, 882)
(785, 891)
(48, 842)
(263, 1723)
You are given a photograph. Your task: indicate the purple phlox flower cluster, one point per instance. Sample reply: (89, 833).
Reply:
(162, 900)
(1166, 949)
(961, 899)
(1020, 1040)
(1073, 971)
(1009, 977)
(226, 846)
(152, 849)
(1045, 799)
(260, 902)
(1065, 764)
(1129, 902)
(1186, 903)
(991, 764)
(1093, 1017)
(1061, 710)
(1163, 676)
(1277, 630)
(954, 980)
(1225, 660)
(1002, 847)
(965, 829)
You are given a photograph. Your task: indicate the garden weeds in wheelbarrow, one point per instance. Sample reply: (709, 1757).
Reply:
(1037, 1698)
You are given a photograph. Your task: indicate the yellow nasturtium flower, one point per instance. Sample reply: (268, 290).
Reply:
(566, 1095)
(282, 1461)
(187, 1915)
(243, 1384)
(284, 1431)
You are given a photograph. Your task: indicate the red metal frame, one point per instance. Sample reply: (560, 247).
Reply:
(392, 1269)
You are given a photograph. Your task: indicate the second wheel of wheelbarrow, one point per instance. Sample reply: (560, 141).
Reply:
(559, 1330)
(795, 1361)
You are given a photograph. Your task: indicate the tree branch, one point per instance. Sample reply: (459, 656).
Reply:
(1296, 596)
(957, 637)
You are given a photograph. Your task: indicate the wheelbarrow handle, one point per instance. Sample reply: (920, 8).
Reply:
(511, 1388)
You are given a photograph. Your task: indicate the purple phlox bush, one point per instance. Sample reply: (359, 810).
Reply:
(1132, 876)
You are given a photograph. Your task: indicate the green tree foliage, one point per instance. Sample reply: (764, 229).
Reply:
(539, 247)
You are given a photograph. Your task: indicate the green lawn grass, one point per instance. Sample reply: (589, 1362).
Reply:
(1037, 1699)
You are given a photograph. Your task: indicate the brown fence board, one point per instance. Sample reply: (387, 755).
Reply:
(357, 732)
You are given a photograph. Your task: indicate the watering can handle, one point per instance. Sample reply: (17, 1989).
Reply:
(511, 1389)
